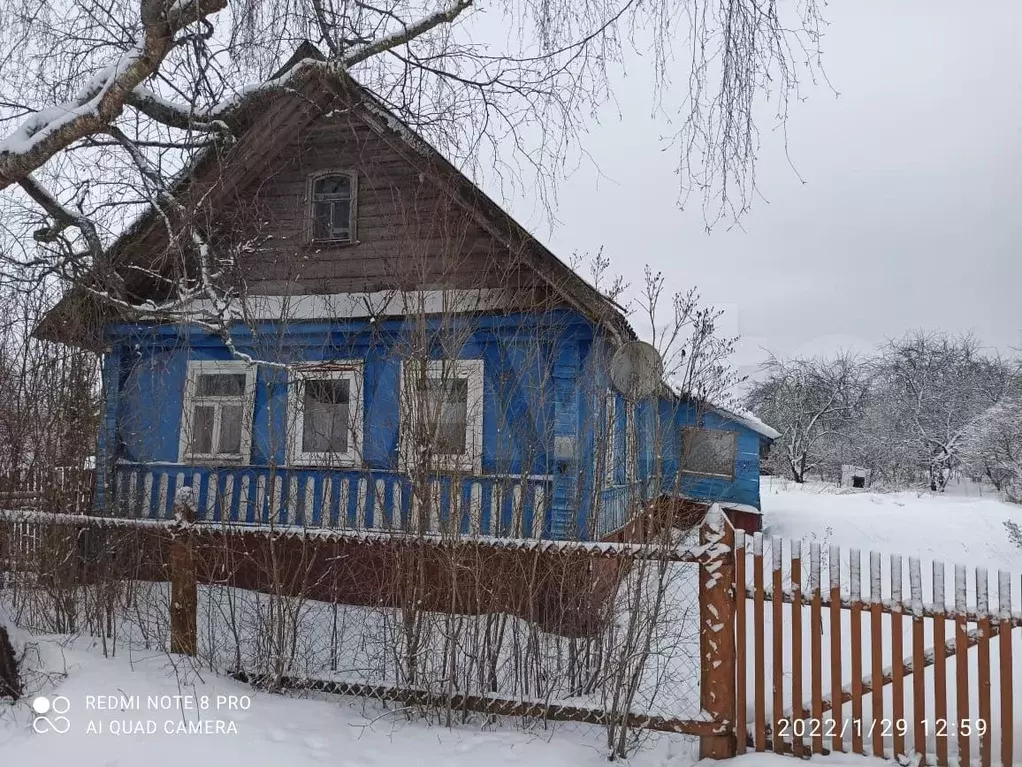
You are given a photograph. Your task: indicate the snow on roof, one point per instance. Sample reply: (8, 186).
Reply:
(746, 418)
(734, 413)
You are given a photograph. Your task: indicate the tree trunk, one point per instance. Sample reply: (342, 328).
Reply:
(798, 470)
(10, 682)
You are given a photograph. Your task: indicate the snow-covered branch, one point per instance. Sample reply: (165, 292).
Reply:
(409, 33)
(102, 100)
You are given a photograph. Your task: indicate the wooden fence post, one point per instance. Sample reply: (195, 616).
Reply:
(717, 633)
(183, 589)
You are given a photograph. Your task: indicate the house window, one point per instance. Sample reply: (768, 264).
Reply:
(325, 414)
(217, 418)
(333, 208)
(442, 414)
(708, 451)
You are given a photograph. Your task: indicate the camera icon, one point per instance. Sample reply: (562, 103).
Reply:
(44, 706)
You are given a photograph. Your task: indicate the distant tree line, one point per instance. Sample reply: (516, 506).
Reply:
(916, 411)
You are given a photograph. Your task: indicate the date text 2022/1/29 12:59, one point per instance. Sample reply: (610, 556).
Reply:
(828, 728)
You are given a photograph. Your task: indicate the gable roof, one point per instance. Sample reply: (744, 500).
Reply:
(303, 87)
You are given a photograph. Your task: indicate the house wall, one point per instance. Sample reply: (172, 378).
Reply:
(410, 231)
(530, 383)
(544, 393)
(742, 488)
(518, 353)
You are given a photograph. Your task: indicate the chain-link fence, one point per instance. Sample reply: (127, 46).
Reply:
(606, 635)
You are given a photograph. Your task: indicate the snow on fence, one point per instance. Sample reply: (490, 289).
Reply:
(628, 636)
(912, 672)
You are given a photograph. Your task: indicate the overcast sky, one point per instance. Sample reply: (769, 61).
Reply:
(911, 211)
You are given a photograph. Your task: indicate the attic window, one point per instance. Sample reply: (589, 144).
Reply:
(333, 208)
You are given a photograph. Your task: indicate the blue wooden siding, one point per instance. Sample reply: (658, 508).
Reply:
(544, 394)
(742, 488)
(518, 386)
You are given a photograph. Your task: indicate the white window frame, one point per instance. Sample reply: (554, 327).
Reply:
(349, 370)
(610, 439)
(631, 444)
(468, 369)
(733, 436)
(197, 368)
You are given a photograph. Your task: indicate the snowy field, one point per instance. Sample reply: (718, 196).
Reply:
(261, 730)
(166, 714)
(963, 526)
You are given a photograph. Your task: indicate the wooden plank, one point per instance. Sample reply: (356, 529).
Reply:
(797, 725)
(855, 629)
(834, 567)
(741, 634)
(919, 720)
(777, 710)
(983, 650)
(940, 664)
(1005, 669)
(897, 653)
(876, 652)
(759, 691)
(886, 608)
(717, 634)
(961, 666)
(815, 648)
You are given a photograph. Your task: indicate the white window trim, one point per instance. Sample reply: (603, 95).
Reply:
(631, 444)
(732, 474)
(197, 368)
(610, 439)
(472, 371)
(350, 370)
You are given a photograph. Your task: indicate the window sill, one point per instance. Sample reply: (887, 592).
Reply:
(317, 462)
(214, 460)
(707, 474)
(332, 243)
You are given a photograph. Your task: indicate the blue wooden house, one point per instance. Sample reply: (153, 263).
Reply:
(401, 354)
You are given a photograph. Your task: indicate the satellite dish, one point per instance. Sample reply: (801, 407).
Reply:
(636, 370)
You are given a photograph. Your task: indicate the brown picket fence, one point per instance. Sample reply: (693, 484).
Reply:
(911, 674)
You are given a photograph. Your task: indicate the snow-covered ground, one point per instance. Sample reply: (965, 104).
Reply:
(963, 526)
(243, 728)
(177, 717)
